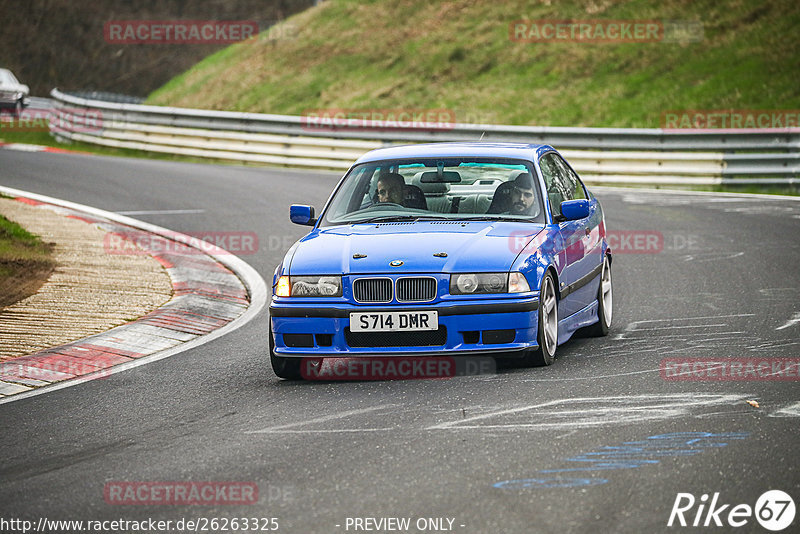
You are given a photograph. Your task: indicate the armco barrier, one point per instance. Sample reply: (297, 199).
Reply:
(600, 155)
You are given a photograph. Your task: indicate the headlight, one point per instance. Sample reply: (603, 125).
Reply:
(473, 283)
(467, 284)
(464, 283)
(309, 286)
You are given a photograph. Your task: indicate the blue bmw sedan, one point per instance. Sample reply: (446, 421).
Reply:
(444, 249)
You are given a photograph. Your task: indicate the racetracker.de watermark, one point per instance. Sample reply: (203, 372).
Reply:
(622, 242)
(604, 31)
(731, 119)
(43, 120)
(178, 31)
(730, 369)
(52, 368)
(395, 367)
(180, 493)
(137, 243)
(376, 119)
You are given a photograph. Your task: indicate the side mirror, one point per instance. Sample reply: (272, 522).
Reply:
(572, 210)
(300, 214)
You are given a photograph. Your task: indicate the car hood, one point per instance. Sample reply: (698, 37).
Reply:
(470, 246)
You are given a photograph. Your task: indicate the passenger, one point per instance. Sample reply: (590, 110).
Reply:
(390, 188)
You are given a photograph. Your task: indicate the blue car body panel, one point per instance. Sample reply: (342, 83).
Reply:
(471, 246)
(572, 250)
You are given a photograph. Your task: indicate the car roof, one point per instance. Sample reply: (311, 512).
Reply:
(523, 151)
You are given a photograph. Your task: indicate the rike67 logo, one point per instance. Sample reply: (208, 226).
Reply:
(774, 510)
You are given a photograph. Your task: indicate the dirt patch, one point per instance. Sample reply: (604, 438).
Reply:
(86, 291)
(22, 278)
(26, 262)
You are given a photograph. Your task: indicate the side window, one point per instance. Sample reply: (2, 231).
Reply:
(571, 181)
(557, 189)
(561, 181)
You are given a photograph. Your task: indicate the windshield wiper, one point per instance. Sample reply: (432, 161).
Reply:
(397, 218)
(492, 218)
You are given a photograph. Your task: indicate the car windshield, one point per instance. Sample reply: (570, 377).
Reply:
(448, 189)
(6, 78)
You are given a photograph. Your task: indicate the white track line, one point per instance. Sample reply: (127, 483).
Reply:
(599, 411)
(792, 410)
(791, 322)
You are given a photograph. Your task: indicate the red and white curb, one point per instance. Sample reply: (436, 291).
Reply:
(210, 298)
(25, 147)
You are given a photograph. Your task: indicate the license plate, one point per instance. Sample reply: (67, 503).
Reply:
(394, 321)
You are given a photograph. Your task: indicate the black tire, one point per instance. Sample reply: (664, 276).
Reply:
(18, 110)
(605, 300)
(286, 368)
(548, 319)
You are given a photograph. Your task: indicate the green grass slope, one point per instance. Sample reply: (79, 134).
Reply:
(458, 55)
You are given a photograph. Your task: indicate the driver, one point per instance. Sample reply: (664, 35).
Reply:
(390, 188)
(523, 199)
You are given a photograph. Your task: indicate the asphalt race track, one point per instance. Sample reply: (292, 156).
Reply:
(598, 442)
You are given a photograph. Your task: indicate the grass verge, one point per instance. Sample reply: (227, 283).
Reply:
(460, 56)
(25, 262)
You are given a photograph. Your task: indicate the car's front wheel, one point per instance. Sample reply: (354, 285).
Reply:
(548, 324)
(287, 368)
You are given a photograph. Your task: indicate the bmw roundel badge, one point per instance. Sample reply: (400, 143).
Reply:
(396, 263)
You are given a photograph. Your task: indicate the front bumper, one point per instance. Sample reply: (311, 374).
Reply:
(9, 100)
(322, 329)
